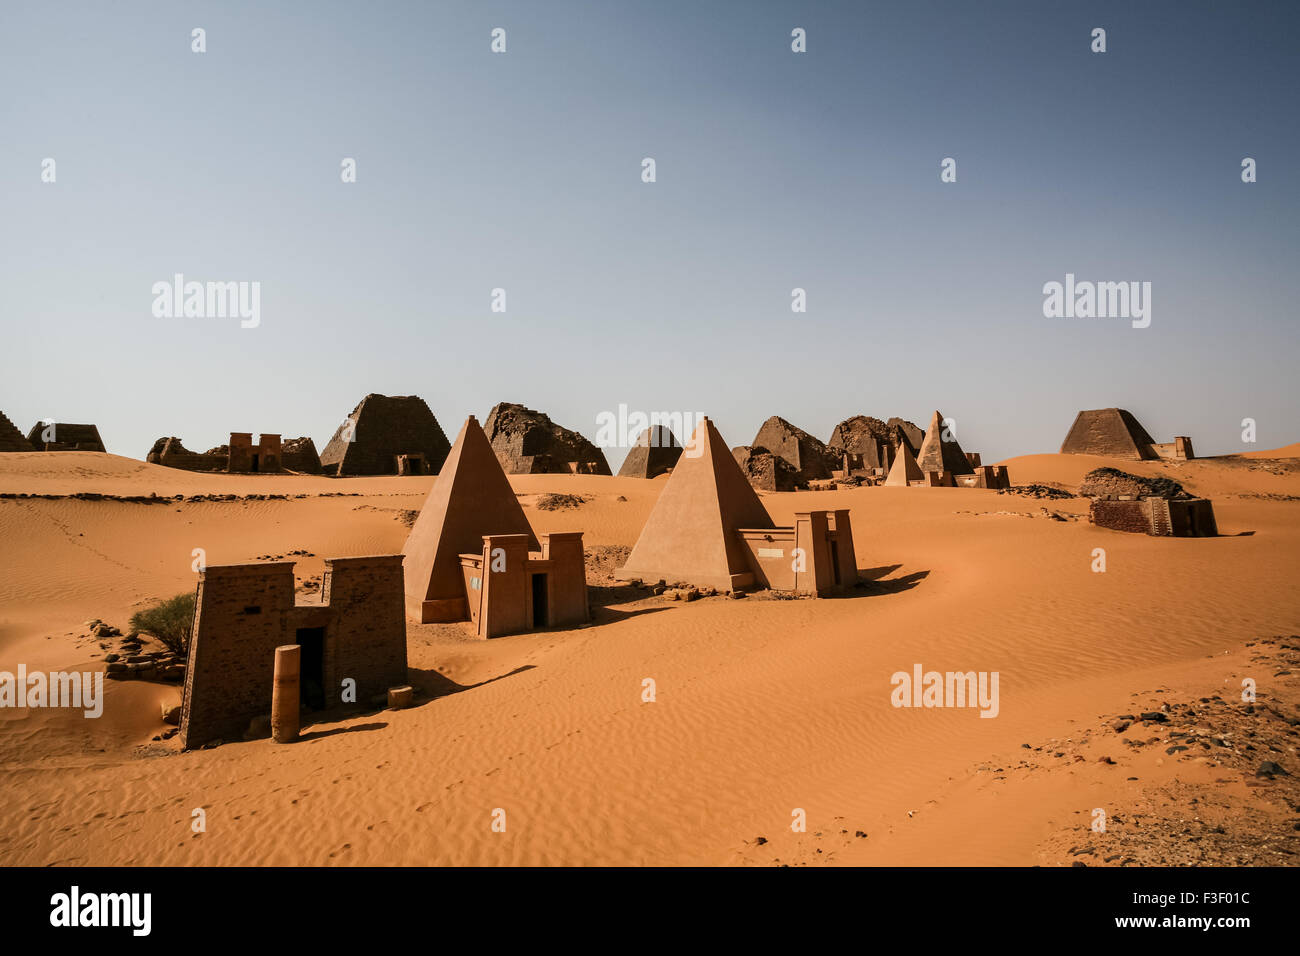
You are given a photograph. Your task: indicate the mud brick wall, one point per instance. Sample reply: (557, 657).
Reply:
(241, 617)
(366, 636)
(192, 461)
(1121, 515)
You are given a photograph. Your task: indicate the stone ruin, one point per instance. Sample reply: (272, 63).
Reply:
(387, 435)
(11, 439)
(655, 453)
(810, 459)
(941, 463)
(268, 456)
(62, 436)
(868, 447)
(527, 442)
(1116, 433)
(353, 640)
(709, 529)
(766, 471)
(1137, 504)
(472, 555)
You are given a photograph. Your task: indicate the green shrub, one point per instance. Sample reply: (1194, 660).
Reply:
(169, 621)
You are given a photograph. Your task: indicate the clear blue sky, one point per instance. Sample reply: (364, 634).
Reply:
(775, 170)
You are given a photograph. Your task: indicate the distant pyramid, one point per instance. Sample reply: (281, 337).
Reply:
(379, 429)
(690, 535)
(527, 442)
(655, 452)
(1109, 432)
(64, 436)
(11, 439)
(939, 455)
(471, 498)
(911, 434)
(811, 459)
(904, 468)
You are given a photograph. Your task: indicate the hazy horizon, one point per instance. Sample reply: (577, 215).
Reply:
(775, 170)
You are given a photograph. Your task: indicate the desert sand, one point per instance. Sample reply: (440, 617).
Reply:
(763, 706)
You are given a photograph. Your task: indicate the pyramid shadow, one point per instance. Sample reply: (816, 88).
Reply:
(609, 615)
(432, 685)
(875, 574)
(869, 586)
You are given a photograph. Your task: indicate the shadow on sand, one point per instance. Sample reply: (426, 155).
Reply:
(318, 734)
(872, 581)
(431, 685)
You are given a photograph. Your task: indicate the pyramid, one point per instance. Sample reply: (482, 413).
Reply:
(527, 442)
(690, 535)
(65, 436)
(471, 498)
(11, 439)
(904, 469)
(655, 452)
(379, 429)
(939, 455)
(1109, 432)
(811, 459)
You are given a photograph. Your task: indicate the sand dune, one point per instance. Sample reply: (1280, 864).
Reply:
(764, 706)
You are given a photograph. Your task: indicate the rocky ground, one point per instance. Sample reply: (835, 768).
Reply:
(1221, 744)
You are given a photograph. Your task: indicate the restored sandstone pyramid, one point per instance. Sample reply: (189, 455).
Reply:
(810, 459)
(656, 451)
(690, 536)
(904, 469)
(1109, 432)
(939, 455)
(380, 429)
(11, 439)
(527, 442)
(471, 498)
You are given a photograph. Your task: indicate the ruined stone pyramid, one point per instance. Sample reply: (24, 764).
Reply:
(527, 442)
(802, 451)
(379, 429)
(904, 469)
(939, 455)
(690, 536)
(655, 452)
(1110, 432)
(11, 439)
(471, 498)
